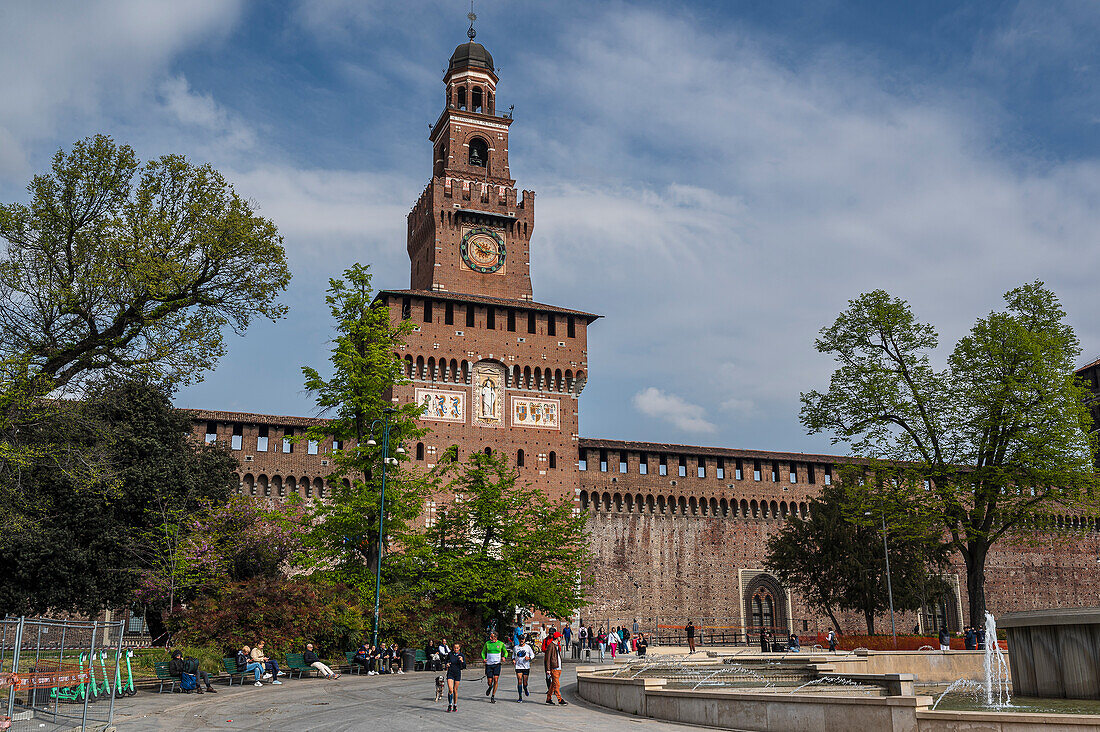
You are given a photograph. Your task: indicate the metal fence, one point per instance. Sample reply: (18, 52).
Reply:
(57, 674)
(709, 631)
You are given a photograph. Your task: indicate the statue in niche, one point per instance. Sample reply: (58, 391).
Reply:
(488, 399)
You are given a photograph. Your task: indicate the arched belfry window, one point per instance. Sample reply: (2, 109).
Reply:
(462, 97)
(479, 152)
(476, 101)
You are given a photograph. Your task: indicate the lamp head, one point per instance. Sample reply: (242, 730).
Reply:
(371, 442)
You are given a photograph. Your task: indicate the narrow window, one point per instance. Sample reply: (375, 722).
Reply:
(491, 318)
(519, 458)
(469, 316)
(211, 433)
(261, 440)
(810, 473)
(552, 460)
(827, 475)
(643, 464)
(622, 462)
(681, 467)
(420, 451)
(662, 469)
(512, 320)
(756, 470)
(571, 327)
(603, 461)
(406, 308)
(794, 472)
(238, 437)
(739, 470)
(582, 463)
(551, 325)
(775, 471)
(427, 311)
(288, 445)
(449, 314)
(531, 322)
(336, 444)
(312, 447)
(701, 471)
(720, 470)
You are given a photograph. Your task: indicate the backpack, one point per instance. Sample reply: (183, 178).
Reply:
(192, 665)
(188, 682)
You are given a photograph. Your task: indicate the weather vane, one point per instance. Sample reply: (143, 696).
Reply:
(472, 16)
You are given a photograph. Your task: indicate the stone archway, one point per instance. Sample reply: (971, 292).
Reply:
(765, 603)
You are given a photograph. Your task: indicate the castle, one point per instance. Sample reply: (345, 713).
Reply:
(677, 531)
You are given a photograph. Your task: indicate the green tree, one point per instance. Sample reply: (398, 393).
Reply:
(117, 266)
(80, 545)
(365, 367)
(835, 557)
(986, 447)
(498, 545)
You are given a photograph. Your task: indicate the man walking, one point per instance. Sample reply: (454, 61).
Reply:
(553, 663)
(567, 638)
(831, 638)
(493, 653)
(690, 630)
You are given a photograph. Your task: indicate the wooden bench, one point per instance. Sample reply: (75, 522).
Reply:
(164, 677)
(294, 663)
(353, 667)
(230, 665)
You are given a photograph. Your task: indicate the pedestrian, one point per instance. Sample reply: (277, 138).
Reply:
(522, 654)
(981, 639)
(831, 638)
(613, 642)
(583, 634)
(601, 640)
(553, 663)
(970, 639)
(494, 652)
(945, 639)
(567, 637)
(456, 661)
(764, 640)
(690, 630)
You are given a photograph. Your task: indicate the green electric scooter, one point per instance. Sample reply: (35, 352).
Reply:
(72, 693)
(124, 686)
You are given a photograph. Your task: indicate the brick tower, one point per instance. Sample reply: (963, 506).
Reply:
(495, 369)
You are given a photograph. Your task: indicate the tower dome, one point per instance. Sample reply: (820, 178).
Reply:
(471, 55)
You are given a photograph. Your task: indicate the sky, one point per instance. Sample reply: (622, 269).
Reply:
(716, 179)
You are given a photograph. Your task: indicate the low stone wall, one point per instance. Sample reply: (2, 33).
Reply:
(930, 667)
(775, 712)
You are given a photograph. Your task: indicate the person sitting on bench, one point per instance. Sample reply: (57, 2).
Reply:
(310, 658)
(270, 664)
(362, 658)
(177, 666)
(246, 665)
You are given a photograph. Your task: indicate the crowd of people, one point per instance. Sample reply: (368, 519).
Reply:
(381, 659)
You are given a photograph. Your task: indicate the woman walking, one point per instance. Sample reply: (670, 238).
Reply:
(613, 642)
(456, 661)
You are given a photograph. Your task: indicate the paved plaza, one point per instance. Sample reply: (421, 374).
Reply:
(393, 704)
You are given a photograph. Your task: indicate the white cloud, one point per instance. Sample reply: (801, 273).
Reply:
(74, 60)
(192, 109)
(653, 402)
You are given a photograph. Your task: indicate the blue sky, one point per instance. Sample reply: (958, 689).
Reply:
(716, 178)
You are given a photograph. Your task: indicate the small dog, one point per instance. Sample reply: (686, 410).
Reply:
(440, 687)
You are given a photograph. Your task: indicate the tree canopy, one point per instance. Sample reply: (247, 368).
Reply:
(987, 446)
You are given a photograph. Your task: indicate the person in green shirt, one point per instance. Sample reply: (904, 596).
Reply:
(494, 652)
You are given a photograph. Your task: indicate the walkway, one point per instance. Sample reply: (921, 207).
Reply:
(393, 704)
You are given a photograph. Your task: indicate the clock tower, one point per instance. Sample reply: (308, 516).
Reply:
(494, 370)
(470, 231)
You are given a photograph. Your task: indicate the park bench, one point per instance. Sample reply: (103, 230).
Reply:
(421, 663)
(353, 667)
(294, 663)
(164, 677)
(230, 665)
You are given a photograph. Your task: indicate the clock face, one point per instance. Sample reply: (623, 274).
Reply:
(483, 250)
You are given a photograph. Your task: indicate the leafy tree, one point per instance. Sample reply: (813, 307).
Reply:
(986, 447)
(79, 545)
(114, 266)
(365, 367)
(835, 558)
(497, 546)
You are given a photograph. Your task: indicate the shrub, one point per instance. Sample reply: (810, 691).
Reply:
(285, 613)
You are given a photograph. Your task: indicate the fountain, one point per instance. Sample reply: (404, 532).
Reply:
(1053, 653)
(996, 667)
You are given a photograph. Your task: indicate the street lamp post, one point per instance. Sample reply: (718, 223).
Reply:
(381, 508)
(889, 583)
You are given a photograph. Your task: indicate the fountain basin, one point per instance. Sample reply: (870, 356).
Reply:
(1054, 653)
